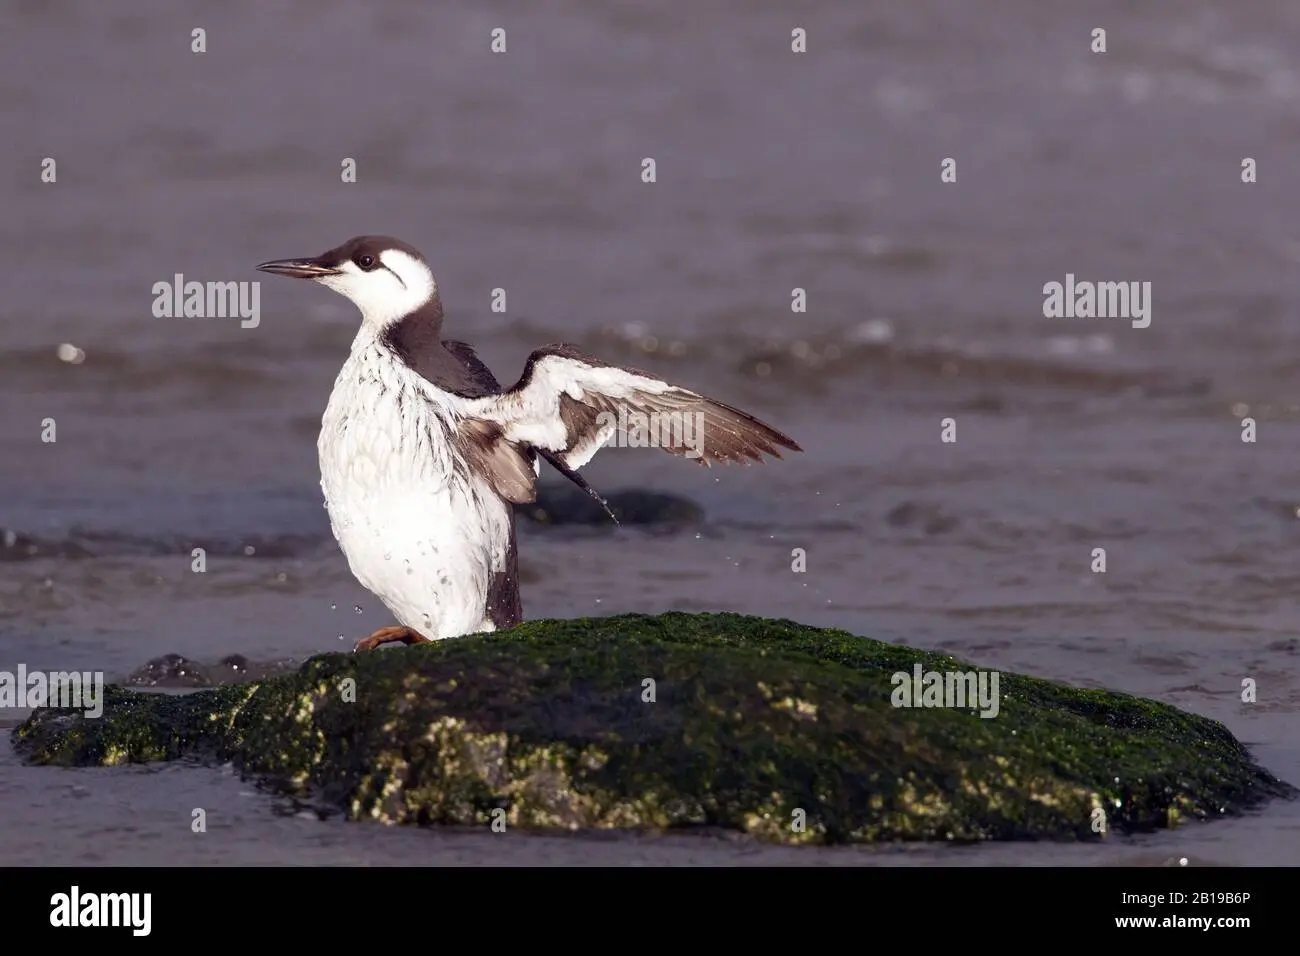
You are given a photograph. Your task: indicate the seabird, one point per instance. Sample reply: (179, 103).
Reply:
(423, 454)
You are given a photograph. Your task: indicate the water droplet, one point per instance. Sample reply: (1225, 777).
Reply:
(282, 577)
(249, 549)
(11, 538)
(388, 556)
(340, 637)
(357, 608)
(334, 607)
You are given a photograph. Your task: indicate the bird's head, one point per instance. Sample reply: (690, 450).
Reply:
(384, 277)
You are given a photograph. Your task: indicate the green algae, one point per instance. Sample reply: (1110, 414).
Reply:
(779, 730)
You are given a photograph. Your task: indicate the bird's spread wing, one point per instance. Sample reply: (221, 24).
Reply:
(570, 404)
(509, 470)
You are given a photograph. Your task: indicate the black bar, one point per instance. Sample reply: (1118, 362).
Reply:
(339, 905)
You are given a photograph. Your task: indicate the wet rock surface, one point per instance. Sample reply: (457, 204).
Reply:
(172, 671)
(568, 505)
(771, 728)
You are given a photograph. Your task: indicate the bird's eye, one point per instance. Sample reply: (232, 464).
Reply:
(366, 262)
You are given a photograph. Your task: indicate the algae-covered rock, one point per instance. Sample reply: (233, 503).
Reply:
(786, 732)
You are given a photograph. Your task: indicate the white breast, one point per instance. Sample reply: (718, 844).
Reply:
(417, 527)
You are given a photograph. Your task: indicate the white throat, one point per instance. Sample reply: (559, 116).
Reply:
(400, 286)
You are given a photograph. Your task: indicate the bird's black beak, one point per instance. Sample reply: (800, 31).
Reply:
(298, 268)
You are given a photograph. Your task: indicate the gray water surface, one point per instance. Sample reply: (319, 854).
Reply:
(522, 171)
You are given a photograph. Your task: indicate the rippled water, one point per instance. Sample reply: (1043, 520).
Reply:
(775, 171)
